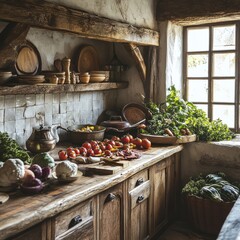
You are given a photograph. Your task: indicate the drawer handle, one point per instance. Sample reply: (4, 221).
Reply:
(139, 182)
(75, 221)
(110, 197)
(140, 199)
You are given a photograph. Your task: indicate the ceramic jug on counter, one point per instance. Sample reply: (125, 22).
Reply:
(42, 139)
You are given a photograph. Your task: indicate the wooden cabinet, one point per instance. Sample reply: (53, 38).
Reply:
(110, 210)
(75, 223)
(137, 206)
(38, 232)
(164, 195)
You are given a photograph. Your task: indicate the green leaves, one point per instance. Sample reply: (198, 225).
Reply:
(177, 114)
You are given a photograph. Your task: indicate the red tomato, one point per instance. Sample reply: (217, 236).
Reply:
(69, 149)
(87, 145)
(115, 138)
(130, 136)
(146, 143)
(72, 154)
(77, 151)
(97, 151)
(108, 153)
(102, 146)
(119, 144)
(93, 143)
(125, 139)
(109, 146)
(112, 142)
(90, 152)
(62, 155)
(137, 141)
(83, 151)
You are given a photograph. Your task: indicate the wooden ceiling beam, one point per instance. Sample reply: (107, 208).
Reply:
(192, 12)
(51, 16)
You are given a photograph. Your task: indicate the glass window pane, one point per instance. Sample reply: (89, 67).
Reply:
(198, 39)
(223, 90)
(197, 90)
(197, 65)
(224, 37)
(225, 113)
(223, 64)
(204, 107)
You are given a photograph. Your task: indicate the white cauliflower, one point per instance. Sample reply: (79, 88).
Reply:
(11, 171)
(66, 169)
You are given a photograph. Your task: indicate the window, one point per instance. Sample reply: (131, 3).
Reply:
(211, 70)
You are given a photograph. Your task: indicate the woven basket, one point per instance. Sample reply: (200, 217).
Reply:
(206, 215)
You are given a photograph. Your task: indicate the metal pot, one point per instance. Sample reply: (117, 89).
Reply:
(118, 125)
(42, 139)
(78, 137)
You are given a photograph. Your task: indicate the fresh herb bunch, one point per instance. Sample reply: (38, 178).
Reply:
(9, 148)
(177, 114)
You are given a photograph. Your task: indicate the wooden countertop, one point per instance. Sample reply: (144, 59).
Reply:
(21, 211)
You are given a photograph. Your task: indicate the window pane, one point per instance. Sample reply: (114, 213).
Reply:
(197, 90)
(204, 107)
(198, 39)
(223, 64)
(223, 90)
(224, 38)
(197, 65)
(225, 113)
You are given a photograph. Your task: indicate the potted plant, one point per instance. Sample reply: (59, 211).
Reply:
(208, 200)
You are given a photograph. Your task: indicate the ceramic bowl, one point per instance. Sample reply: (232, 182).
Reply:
(84, 79)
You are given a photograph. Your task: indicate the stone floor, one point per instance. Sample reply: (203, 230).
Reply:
(180, 230)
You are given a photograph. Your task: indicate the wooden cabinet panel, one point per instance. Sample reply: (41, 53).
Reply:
(137, 206)
(38, 232)
(75, 223)
(111, 214)
(165, 185)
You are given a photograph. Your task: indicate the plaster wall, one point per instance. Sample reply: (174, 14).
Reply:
(202, 157)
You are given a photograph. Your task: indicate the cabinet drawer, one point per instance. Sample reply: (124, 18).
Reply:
(74, 220)
(139, 194)
(137, 179)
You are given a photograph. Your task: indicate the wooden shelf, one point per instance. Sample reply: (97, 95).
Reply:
(47, 88)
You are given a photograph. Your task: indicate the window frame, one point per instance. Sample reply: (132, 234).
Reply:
(210, 76)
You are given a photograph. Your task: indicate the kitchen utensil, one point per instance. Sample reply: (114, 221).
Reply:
(117, 124)
(78, 137)
(66, 62)
(30, 79)
(134, 112)
(28, 60)
(4, 77)
(97, 77)
(106, 73)
(42, 139)
(88, 59)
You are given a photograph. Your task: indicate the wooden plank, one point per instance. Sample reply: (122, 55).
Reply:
(49, 88)
(13, 35)
(56, 17)
(188, 12)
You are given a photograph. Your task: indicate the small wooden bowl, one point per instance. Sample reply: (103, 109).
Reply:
(85, 79)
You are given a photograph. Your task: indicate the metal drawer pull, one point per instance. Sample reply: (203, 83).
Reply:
(140, 199)
(139, 182)
(75, 221)
(110, 197)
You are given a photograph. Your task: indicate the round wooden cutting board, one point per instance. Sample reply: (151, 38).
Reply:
(88, 59)
(28, 60)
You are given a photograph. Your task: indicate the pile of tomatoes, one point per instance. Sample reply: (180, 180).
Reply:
(105, 148)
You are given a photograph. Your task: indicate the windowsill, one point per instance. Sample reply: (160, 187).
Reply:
(230, 143)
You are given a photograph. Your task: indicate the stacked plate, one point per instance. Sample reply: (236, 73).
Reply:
(97, 77)
(4, 77)
(29, 79)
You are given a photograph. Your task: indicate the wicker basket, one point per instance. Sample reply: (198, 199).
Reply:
(206, 215)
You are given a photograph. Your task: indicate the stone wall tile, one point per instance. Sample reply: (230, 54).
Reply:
(20, 112)
(2, 102)
(20, 125)
(10, 127)
(29, 112)
(1, 116)
(31, 99)
(40, 99)
(10, 101)
(20, 100)
(10, 114)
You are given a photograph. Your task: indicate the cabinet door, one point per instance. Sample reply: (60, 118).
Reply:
(75, 223)
(38, 232)
(164, 177)
(111, 214)
(137, 220)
